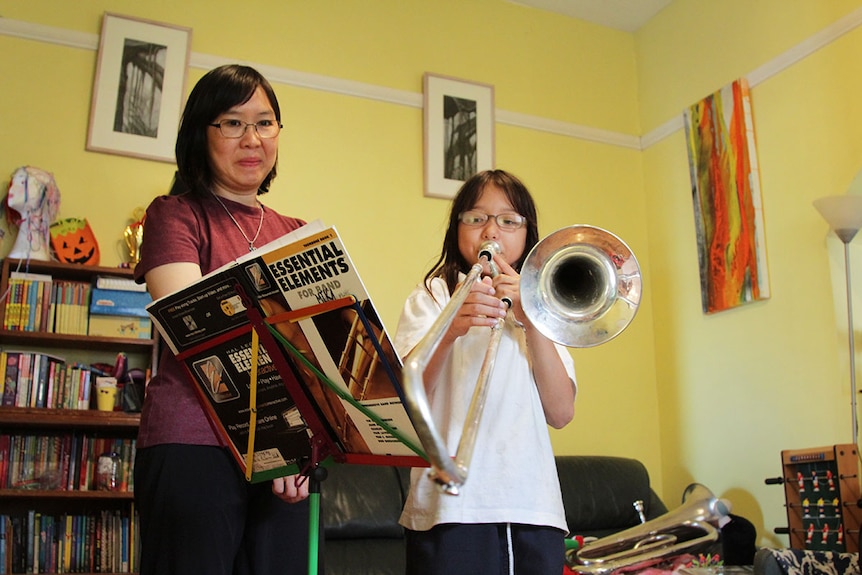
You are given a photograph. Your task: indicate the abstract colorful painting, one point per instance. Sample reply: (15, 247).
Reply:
(725, 186)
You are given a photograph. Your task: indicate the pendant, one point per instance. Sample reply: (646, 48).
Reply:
(251, 247)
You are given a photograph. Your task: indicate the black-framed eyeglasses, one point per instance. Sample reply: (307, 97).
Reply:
(508, 221)
(236, 129)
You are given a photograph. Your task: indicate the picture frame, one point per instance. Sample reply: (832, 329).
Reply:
(458, 134)
(139, 88)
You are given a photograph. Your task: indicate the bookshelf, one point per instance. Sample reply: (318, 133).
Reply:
(53, 518)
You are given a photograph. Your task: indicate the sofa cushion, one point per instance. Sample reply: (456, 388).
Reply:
(599, 493)
(363, 501)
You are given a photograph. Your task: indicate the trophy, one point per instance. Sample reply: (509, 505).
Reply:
(134, 236)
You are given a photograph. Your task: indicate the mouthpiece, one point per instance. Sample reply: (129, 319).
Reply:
(488, 249)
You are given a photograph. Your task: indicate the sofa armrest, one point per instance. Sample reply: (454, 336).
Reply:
(599, 493)
(765, 563)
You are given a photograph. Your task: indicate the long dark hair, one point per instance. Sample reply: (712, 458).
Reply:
(216, 92)
(451, 262)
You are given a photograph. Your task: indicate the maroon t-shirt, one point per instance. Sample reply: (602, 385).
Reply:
(198, 230)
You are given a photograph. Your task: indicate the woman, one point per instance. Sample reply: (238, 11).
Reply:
(508, 517)
(198, 513)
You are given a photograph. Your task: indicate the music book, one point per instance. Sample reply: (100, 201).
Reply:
(327, 378)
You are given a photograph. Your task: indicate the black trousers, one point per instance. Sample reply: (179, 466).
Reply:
(199, 515)
(484, 549)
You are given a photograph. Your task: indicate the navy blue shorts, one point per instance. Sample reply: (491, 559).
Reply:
(465, 549)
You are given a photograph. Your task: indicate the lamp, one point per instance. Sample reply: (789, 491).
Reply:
(844, 216)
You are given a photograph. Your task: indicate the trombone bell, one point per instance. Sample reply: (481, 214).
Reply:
(581, 286)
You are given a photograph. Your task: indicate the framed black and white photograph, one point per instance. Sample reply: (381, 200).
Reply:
(459, 132)
(139, 88)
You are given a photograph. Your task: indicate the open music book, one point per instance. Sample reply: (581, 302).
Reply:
(328, 380)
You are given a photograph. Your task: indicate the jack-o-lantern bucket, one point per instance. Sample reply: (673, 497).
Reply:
(73, 242)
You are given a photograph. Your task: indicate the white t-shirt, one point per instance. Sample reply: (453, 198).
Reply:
(512, 476)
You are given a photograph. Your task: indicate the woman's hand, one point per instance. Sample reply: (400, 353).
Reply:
(289, 490)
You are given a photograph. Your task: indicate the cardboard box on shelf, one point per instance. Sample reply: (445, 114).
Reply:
(119, 302)
(120, 326)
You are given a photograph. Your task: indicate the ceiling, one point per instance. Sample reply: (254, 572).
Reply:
(625, 15)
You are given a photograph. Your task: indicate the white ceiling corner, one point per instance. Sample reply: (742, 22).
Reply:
(625, 15)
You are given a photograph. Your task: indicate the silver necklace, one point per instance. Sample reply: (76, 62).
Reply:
(251, 241)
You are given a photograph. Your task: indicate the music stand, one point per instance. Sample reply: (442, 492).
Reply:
(323, 445)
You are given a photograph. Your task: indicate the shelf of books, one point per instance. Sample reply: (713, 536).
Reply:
(66, 469)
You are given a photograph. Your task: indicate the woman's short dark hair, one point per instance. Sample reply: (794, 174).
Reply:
(216, 92)
(451, 262)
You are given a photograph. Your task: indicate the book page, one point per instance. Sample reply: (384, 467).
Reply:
(309, 273)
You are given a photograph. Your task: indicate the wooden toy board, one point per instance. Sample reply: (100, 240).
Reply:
(821, 487)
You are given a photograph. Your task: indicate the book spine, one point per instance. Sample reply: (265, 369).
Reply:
(31, 527)
(52, 309)
(38, 547)
(19, 531)
(5, 524)
(32, 304)
(52, 378)
(24, 311)
(25, 366)
(68, 531)
(45, 306)
(10, 391)
(65, 454)
(36, 380)
(9, 308)
(5, 451)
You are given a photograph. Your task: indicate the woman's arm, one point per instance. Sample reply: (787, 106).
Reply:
(168, 278)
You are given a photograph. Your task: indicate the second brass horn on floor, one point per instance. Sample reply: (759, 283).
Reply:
(580, 287)
(688, 529)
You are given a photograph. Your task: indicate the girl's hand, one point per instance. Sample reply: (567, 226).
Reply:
(482, 307)
(508, 285)
(286, 489)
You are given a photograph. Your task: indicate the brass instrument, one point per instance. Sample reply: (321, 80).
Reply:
(580, 286)
(689, 528)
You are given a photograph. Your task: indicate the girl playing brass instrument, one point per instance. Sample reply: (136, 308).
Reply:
(508, 518)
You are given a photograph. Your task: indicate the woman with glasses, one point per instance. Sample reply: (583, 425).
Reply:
(508, 517)
(198, 513)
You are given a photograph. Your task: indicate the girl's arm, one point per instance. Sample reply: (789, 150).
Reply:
(556, 388)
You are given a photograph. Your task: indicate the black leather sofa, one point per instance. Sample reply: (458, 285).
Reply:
(360, 506)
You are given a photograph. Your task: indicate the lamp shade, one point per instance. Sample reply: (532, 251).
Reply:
(842, 213)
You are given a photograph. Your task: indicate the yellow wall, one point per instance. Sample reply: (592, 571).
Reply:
(736, 388)
(357, 162)
(696, 398)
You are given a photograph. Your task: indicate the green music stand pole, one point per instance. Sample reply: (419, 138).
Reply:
(315, 478)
